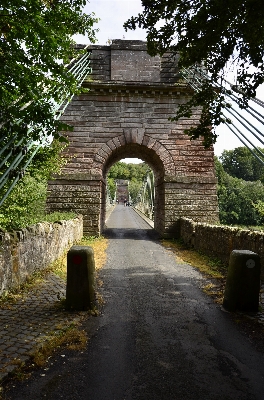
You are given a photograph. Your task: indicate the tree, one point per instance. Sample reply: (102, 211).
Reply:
(239, 200)
(209, 33)
(135, 173)
(241, 163)
(121, 170)
(111, 186)
(26, 203)
(134, 188)
(36, 41)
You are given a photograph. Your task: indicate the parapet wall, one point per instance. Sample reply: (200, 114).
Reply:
(34, 248)
(219, 241)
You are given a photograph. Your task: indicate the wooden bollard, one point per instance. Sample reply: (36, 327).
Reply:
(243, 281)
(80, 288)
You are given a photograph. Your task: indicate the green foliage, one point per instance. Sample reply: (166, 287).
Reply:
(208, 33)
(239, 200)
(259, 206)
(25, 205)
(111, 186)
(58, 216)
(135, 173)
(241, 163)
(121, 170)
(36, 38)
(219, 170)
(48, 160)
(134, 188)
(236, 201)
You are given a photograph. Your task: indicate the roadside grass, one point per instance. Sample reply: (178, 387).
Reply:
(99, 245)
(58, 267)
(216, 273)
(69, 337)
(212, 268)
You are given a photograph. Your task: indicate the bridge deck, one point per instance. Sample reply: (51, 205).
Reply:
(159, 336)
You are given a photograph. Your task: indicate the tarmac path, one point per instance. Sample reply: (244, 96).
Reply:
(159, 337)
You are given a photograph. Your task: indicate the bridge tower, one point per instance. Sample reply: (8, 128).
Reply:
(122, 192)
(125, 114)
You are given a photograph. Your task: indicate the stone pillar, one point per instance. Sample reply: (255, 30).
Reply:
(243, 281)
(80, 193)
(191, 197)
(80, 289)
(159, 207)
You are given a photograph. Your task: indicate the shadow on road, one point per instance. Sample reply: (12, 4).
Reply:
(131, 233)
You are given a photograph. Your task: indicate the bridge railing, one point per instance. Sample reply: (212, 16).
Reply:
(146, 197)
(17, 154)
(109, 200)
(247, 123)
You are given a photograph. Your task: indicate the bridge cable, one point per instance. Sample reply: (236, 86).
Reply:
(79, 68)
(195, 77)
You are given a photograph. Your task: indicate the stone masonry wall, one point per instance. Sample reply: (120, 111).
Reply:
(189, 196)
(122, 192)
(79, 193)
(109, 125)
(128, 60)
(126, 114)
(109, 120)
(219, 241)
(34, 248)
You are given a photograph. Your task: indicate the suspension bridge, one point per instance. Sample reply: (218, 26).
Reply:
(125, 113)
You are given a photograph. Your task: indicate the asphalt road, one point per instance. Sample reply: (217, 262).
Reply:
(158, 337)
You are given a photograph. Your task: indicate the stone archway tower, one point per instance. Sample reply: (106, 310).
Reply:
(125, 114)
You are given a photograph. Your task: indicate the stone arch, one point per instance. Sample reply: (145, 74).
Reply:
(134, 143)
(128, 111)
(155, 155)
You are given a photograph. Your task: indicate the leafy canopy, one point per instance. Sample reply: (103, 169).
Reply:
(135, 173)
(27, 202)
(241, 163)
(36, 38)
(212, 33)
(241, 202)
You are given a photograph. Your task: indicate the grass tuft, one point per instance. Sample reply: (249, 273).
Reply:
(210, 267)
(71, 338)
(10, 297)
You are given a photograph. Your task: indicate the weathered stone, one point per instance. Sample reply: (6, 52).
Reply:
(220, 241)
(122, 190)
(126, 114)
(80, 288)
(243, 281)
(34, 248)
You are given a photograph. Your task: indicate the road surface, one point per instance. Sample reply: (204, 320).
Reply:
(159, 337)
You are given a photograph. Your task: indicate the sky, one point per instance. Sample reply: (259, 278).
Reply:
(113, 14)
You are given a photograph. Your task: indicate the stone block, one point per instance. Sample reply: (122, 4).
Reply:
(34, 248)
(80, 288)
(243, 282)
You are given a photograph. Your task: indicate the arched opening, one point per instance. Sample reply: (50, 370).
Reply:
(155, 165)
(129, 174)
